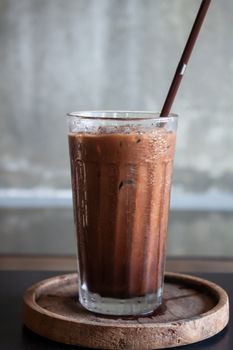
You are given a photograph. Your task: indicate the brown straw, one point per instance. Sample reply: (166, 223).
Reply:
(185, 58)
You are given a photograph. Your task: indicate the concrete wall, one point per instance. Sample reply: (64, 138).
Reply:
(57, 56)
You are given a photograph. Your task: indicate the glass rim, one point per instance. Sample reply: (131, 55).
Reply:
(122, 115)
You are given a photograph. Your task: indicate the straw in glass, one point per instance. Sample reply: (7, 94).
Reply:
(185, 58)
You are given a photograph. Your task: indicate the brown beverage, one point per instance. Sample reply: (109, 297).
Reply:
(121, 185)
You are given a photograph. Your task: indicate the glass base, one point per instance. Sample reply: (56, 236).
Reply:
(120, 307)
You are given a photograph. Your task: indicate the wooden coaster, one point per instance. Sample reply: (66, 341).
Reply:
(193, 309)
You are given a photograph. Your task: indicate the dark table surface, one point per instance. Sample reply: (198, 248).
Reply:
(14, 336)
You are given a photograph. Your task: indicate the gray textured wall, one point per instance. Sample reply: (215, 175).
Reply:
(57, 56)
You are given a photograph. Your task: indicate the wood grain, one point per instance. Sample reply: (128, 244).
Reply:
(193, 309)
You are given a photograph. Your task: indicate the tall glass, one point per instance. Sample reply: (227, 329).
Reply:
(121, 170)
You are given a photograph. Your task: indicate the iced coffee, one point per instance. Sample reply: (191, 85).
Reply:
(121, 168)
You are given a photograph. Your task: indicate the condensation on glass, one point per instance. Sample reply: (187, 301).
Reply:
(121, 167)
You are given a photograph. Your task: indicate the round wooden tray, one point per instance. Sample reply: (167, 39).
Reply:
(193, 309)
